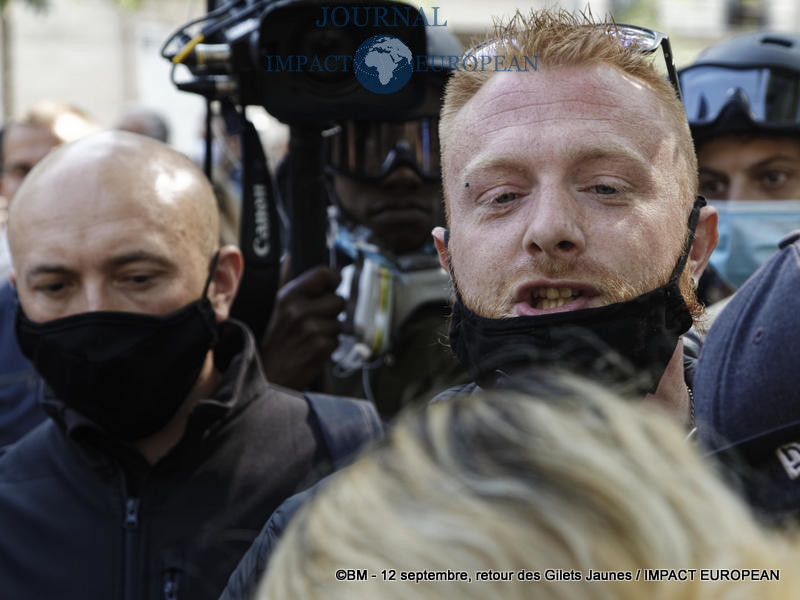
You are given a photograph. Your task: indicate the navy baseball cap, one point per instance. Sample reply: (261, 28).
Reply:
(747, 384)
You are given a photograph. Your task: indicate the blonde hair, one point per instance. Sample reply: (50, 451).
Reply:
(559, 38)
(571, 480)
(65, 122)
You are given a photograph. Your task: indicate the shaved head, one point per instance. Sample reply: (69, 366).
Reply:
(115, 167)
(116, 221)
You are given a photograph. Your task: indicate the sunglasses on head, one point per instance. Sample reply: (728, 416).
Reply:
(632, 37)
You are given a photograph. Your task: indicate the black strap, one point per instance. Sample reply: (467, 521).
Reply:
(694, 217)
(306, 200)
(259, 233)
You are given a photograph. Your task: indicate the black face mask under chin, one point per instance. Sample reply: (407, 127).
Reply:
(631, 341)
(126, 372)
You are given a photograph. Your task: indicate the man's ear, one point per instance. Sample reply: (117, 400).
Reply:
(225, 280)
(706, 237)
(440, 239)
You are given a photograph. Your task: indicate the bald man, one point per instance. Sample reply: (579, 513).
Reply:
(166, 449)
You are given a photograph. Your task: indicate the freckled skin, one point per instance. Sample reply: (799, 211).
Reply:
(569, 176)
(586, 188)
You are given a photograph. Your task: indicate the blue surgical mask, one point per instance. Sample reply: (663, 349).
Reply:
(749, 232)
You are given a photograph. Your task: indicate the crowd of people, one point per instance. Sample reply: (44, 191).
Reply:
(611, 255)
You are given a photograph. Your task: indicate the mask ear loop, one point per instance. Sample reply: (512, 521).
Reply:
(694, 217)
(212, 268)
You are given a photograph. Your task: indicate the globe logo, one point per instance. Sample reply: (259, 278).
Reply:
(383, 64)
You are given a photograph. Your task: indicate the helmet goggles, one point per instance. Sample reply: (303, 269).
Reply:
(769, 96)
(370, 150)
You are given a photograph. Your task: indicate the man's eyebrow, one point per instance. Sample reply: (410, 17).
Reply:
(48, 269)
(516, 162)
(121, 260)
(504, 162)
(770, 159)
(113, 262)
(710, 171)
(614, 152)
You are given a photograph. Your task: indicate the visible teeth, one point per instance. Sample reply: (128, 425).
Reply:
(546, 303)
(546, 298)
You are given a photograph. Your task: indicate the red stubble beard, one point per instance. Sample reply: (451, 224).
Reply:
(611, 286)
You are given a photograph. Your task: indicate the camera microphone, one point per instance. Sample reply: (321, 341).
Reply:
(207, 58)
(210, 86)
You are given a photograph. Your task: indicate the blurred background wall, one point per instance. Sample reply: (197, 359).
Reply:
(103, 54)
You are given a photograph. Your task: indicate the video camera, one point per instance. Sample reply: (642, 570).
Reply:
(304, 62)
(299, 59)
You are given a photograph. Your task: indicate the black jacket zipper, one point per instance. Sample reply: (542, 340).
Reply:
(131, 533)
(171, 584)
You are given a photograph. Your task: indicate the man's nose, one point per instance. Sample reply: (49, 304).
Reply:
(94, 298)
(553, 226)
(401, 177)
(739, 188)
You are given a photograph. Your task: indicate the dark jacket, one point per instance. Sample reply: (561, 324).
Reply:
(20, 385)
(347, 427)
(83, 516)
(245, 578)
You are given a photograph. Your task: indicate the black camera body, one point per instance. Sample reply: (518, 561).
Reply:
(297, 59)
(304, 62)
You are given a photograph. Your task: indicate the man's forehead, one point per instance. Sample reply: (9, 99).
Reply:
(516, 96)
(43, 261)
(605, 105)
(97, 236)
(109, 174)
(68, 196)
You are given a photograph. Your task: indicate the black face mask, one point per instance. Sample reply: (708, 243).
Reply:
(126, 372)
(643, 332)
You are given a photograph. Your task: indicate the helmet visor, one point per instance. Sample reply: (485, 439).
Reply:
(769, 96)
(372, 149)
